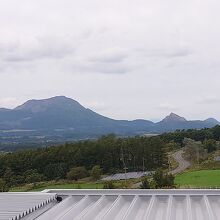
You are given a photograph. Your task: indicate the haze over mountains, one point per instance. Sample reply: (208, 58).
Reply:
(65, 117)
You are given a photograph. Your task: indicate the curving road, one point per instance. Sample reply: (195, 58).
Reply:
(183, 164)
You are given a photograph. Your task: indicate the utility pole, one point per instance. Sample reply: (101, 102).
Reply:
(143, 165)
(197, 155)
(123, 161)
(169, 162)
(134, 165)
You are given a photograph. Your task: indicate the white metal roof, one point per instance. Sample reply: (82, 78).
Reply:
(133, 205)
(14, 206)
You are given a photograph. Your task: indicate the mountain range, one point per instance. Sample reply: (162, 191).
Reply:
(68, 118)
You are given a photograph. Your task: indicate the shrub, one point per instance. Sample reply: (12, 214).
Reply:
(145, 183)
(163, 180)
(32, 176)
(109, 185)
(3, 186)
(96, 172)
(77, 173)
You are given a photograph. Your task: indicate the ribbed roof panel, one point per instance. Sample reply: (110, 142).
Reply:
(112, 204)
(136, 205)
(14, 206)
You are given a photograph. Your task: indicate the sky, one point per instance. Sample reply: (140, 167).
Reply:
(123, 59)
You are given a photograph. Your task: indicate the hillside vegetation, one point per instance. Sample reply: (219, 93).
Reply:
(81, 159)
(109, 154)
(199, 179)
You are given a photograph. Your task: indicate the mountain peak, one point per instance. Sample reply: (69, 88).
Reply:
(172, 117)
(42, 105)
(212, 121)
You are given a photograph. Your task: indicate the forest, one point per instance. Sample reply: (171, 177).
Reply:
(107, 152)
(110, 153)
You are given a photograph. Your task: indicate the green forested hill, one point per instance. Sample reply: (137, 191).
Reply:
(112, 154)
(107, 152)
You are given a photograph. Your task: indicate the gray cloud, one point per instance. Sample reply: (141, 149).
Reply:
(109, 56)
(166, 53)
(134, 55)
(36, 49)
(101, 67)
(209, 101)
(167, 107)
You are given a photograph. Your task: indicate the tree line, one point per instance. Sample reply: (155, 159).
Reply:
(111, 154)
(195, 134)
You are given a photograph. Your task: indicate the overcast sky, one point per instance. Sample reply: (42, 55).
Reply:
(125, 59)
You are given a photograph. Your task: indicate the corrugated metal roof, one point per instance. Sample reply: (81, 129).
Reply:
(136, 205)
(114, 204)
(14, 206)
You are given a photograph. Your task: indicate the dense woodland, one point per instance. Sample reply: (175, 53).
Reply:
(197, 135)
(110, 153)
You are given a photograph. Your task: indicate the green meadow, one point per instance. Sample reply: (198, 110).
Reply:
(52, 185)
(199, 179)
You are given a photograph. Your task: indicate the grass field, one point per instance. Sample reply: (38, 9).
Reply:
(199, 179)
(49, 185)
(68, 185)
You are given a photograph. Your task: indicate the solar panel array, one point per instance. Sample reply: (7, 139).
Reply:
(123, 176)
(217, 158)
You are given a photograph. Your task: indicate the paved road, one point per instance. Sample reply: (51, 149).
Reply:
(183, 164)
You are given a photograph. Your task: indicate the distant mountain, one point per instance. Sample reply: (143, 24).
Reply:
(65, 118)
(173, 122)
(53, 113)
(212, 121)
(64, 113)
(173, 118)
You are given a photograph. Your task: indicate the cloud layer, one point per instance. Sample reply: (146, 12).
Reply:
(125, 59)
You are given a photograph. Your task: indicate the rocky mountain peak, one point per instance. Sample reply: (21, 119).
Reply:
(172, 117)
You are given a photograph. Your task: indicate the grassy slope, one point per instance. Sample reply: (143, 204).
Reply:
(201, 178)
(48, 185)
(67, 185)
